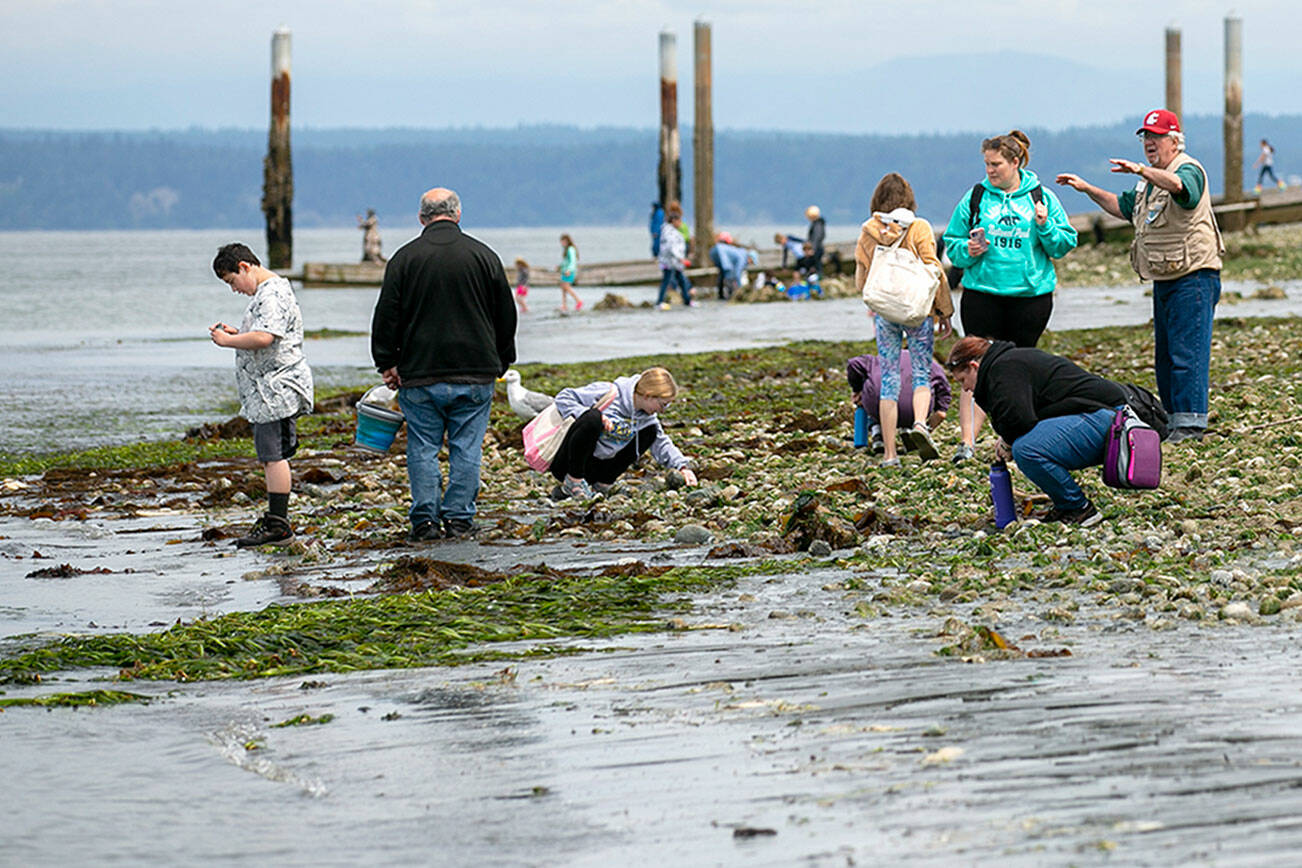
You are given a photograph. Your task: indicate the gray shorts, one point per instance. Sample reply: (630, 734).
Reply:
(275, 441)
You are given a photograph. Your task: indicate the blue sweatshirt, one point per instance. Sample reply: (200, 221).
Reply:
(1019, 261)
(731, 259)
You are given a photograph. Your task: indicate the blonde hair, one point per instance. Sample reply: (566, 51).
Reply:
(1015, 146)
(656, 383)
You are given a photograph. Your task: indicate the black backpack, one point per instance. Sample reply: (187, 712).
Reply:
(1147, 407)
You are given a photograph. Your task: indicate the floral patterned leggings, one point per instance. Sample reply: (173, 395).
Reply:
(890, 339)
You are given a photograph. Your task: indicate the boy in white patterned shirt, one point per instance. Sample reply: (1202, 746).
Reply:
(274, 381)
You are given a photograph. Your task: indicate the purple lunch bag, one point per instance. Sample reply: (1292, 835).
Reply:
(1132, 454)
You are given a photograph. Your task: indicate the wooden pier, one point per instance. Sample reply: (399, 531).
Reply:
(1272, 206)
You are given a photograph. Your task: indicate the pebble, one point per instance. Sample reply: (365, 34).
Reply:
(674, 480)
(819, 549)
(1238, 611)
(693, 534)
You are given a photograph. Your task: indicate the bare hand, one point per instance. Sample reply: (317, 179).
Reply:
(1076, 182)
(943, 327)
(1041, 213)
(1002, 452)
(1125, 167)
(391, 377)
(974, 249)
(607, 424)
(688, 476)
(218, 333)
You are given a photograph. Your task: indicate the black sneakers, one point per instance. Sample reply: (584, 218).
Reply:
(266, 530)
(1086, 516)
(458, 528)
(426, 531)
(1179, 434)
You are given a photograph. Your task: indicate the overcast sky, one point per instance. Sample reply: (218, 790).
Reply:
(778, 64)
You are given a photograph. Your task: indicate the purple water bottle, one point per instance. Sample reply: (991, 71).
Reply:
(860, 428)
(1001, 494)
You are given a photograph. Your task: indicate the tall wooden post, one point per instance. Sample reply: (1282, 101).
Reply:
(277, 170)
(1173, 72)
(703, 144)
(1233, 117)
(671, 182)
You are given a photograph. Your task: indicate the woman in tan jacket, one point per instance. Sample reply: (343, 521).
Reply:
(893, 204)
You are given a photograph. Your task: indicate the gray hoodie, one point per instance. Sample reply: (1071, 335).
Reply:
(626, 422)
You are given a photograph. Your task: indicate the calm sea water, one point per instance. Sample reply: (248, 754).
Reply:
(104, 337)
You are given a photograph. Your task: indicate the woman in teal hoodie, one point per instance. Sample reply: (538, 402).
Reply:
(1004, 234)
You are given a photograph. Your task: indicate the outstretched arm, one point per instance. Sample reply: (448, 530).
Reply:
(1104, 199)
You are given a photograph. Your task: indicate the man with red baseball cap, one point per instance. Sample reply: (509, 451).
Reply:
(1159, 121)
(1178, 246)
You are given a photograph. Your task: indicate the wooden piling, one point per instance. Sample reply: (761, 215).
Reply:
(1233, 122)
(703, 143)
(1173, 72)
(670, 175)
(277, 168)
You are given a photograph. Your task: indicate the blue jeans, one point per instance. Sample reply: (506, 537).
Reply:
(890, 339)
(459, 410)
(673, 275)
(1182, 343)
(1054, 447)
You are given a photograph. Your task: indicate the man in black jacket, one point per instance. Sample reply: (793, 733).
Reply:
(1052, 417)
(443, 331)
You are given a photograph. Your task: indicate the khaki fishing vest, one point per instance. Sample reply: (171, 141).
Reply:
(1171, 241)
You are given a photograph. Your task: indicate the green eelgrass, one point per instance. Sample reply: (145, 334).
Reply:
(395, 632)
(89, 698)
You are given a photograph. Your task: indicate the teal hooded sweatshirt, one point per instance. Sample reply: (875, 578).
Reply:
(1019, 259)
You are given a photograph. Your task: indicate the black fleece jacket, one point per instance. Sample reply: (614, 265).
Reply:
(445, 312)
(1018, 387)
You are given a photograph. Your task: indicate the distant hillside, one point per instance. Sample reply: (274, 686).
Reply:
(530, 175)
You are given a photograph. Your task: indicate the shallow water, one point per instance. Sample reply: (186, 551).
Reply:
(1144, 747)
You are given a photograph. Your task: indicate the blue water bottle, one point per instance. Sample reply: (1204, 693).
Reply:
(1001, 493)
(860, 428)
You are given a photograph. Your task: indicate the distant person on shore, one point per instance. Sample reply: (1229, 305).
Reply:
(656, 223)
(864, 374)
(1266, 166)
(892, 222)
(1005, 234)
(522, 285)
(443, 331)
(569, 270)
(370, 237)
(1178, 246)
(731, 261)
(615, 423)
(673, 258)
(274, 381)
(816, 238)
(792, 246)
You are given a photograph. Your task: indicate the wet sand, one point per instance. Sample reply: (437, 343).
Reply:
(816, 738)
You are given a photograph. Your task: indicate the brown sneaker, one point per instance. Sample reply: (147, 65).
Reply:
(265, 531)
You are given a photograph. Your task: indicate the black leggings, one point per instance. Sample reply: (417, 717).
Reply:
(1020, 319)
(575, 457)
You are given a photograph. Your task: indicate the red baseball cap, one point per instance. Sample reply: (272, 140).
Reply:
(1160, 121)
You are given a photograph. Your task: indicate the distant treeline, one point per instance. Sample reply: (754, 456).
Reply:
(526, 176)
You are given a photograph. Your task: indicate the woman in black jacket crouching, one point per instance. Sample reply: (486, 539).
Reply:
(1052, 417)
